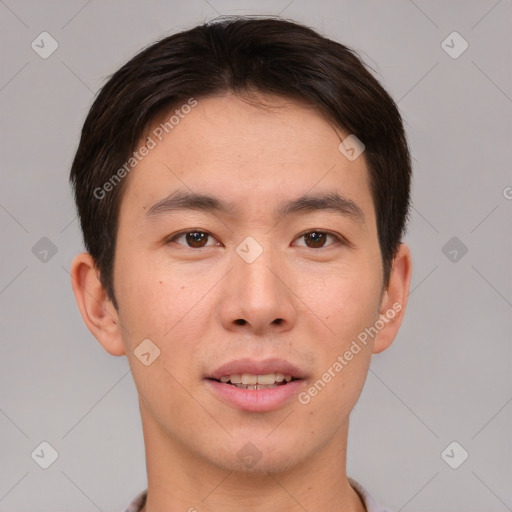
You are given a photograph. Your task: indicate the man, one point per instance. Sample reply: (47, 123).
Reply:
(243, 189)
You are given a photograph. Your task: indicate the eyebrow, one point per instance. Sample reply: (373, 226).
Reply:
(184, 200)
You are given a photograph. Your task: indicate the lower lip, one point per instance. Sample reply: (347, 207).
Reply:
(256, 400)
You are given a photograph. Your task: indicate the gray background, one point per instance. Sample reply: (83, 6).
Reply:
(447, 376)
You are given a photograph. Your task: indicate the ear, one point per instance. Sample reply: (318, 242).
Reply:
(394, 300)
(96, 308)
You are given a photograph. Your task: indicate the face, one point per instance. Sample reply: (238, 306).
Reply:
(240, 284)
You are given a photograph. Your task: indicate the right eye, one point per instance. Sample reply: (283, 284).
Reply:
(194, 239)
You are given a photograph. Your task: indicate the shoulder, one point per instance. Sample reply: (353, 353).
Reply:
(137, 504)
(370, 504)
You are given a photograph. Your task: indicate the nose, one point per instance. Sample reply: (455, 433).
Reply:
(257, 295)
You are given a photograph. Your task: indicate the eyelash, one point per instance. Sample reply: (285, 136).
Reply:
(339, 238)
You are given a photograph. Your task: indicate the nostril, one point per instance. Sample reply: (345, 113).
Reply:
(240, 321)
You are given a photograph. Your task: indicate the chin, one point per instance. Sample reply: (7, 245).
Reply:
(260, 456)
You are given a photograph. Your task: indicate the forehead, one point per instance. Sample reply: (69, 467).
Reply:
(252, 151)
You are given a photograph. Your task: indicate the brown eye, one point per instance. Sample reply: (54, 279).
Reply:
(317, 239)
(196, 238)
(193, 239)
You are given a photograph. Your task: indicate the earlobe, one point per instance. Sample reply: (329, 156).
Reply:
(94, 304)
(394, 300)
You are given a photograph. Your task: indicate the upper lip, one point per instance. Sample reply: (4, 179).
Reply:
(254, 367)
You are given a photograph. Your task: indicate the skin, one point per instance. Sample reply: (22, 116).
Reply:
(187, 300)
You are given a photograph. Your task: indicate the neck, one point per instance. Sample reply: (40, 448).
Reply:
(179, 480)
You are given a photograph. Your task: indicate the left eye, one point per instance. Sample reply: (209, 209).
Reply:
(317, 239)
(194, 239)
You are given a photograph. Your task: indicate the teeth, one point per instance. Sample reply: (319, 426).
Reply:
(247, 378)
(255, 386)
(267, 379)
(249, 381)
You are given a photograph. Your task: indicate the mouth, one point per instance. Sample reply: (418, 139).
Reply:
(257, 386)
(255, 382)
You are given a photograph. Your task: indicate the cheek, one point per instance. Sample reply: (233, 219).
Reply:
(151, 296)
(346, 303)
(163, 307)
(351, 306)
(166, 305)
